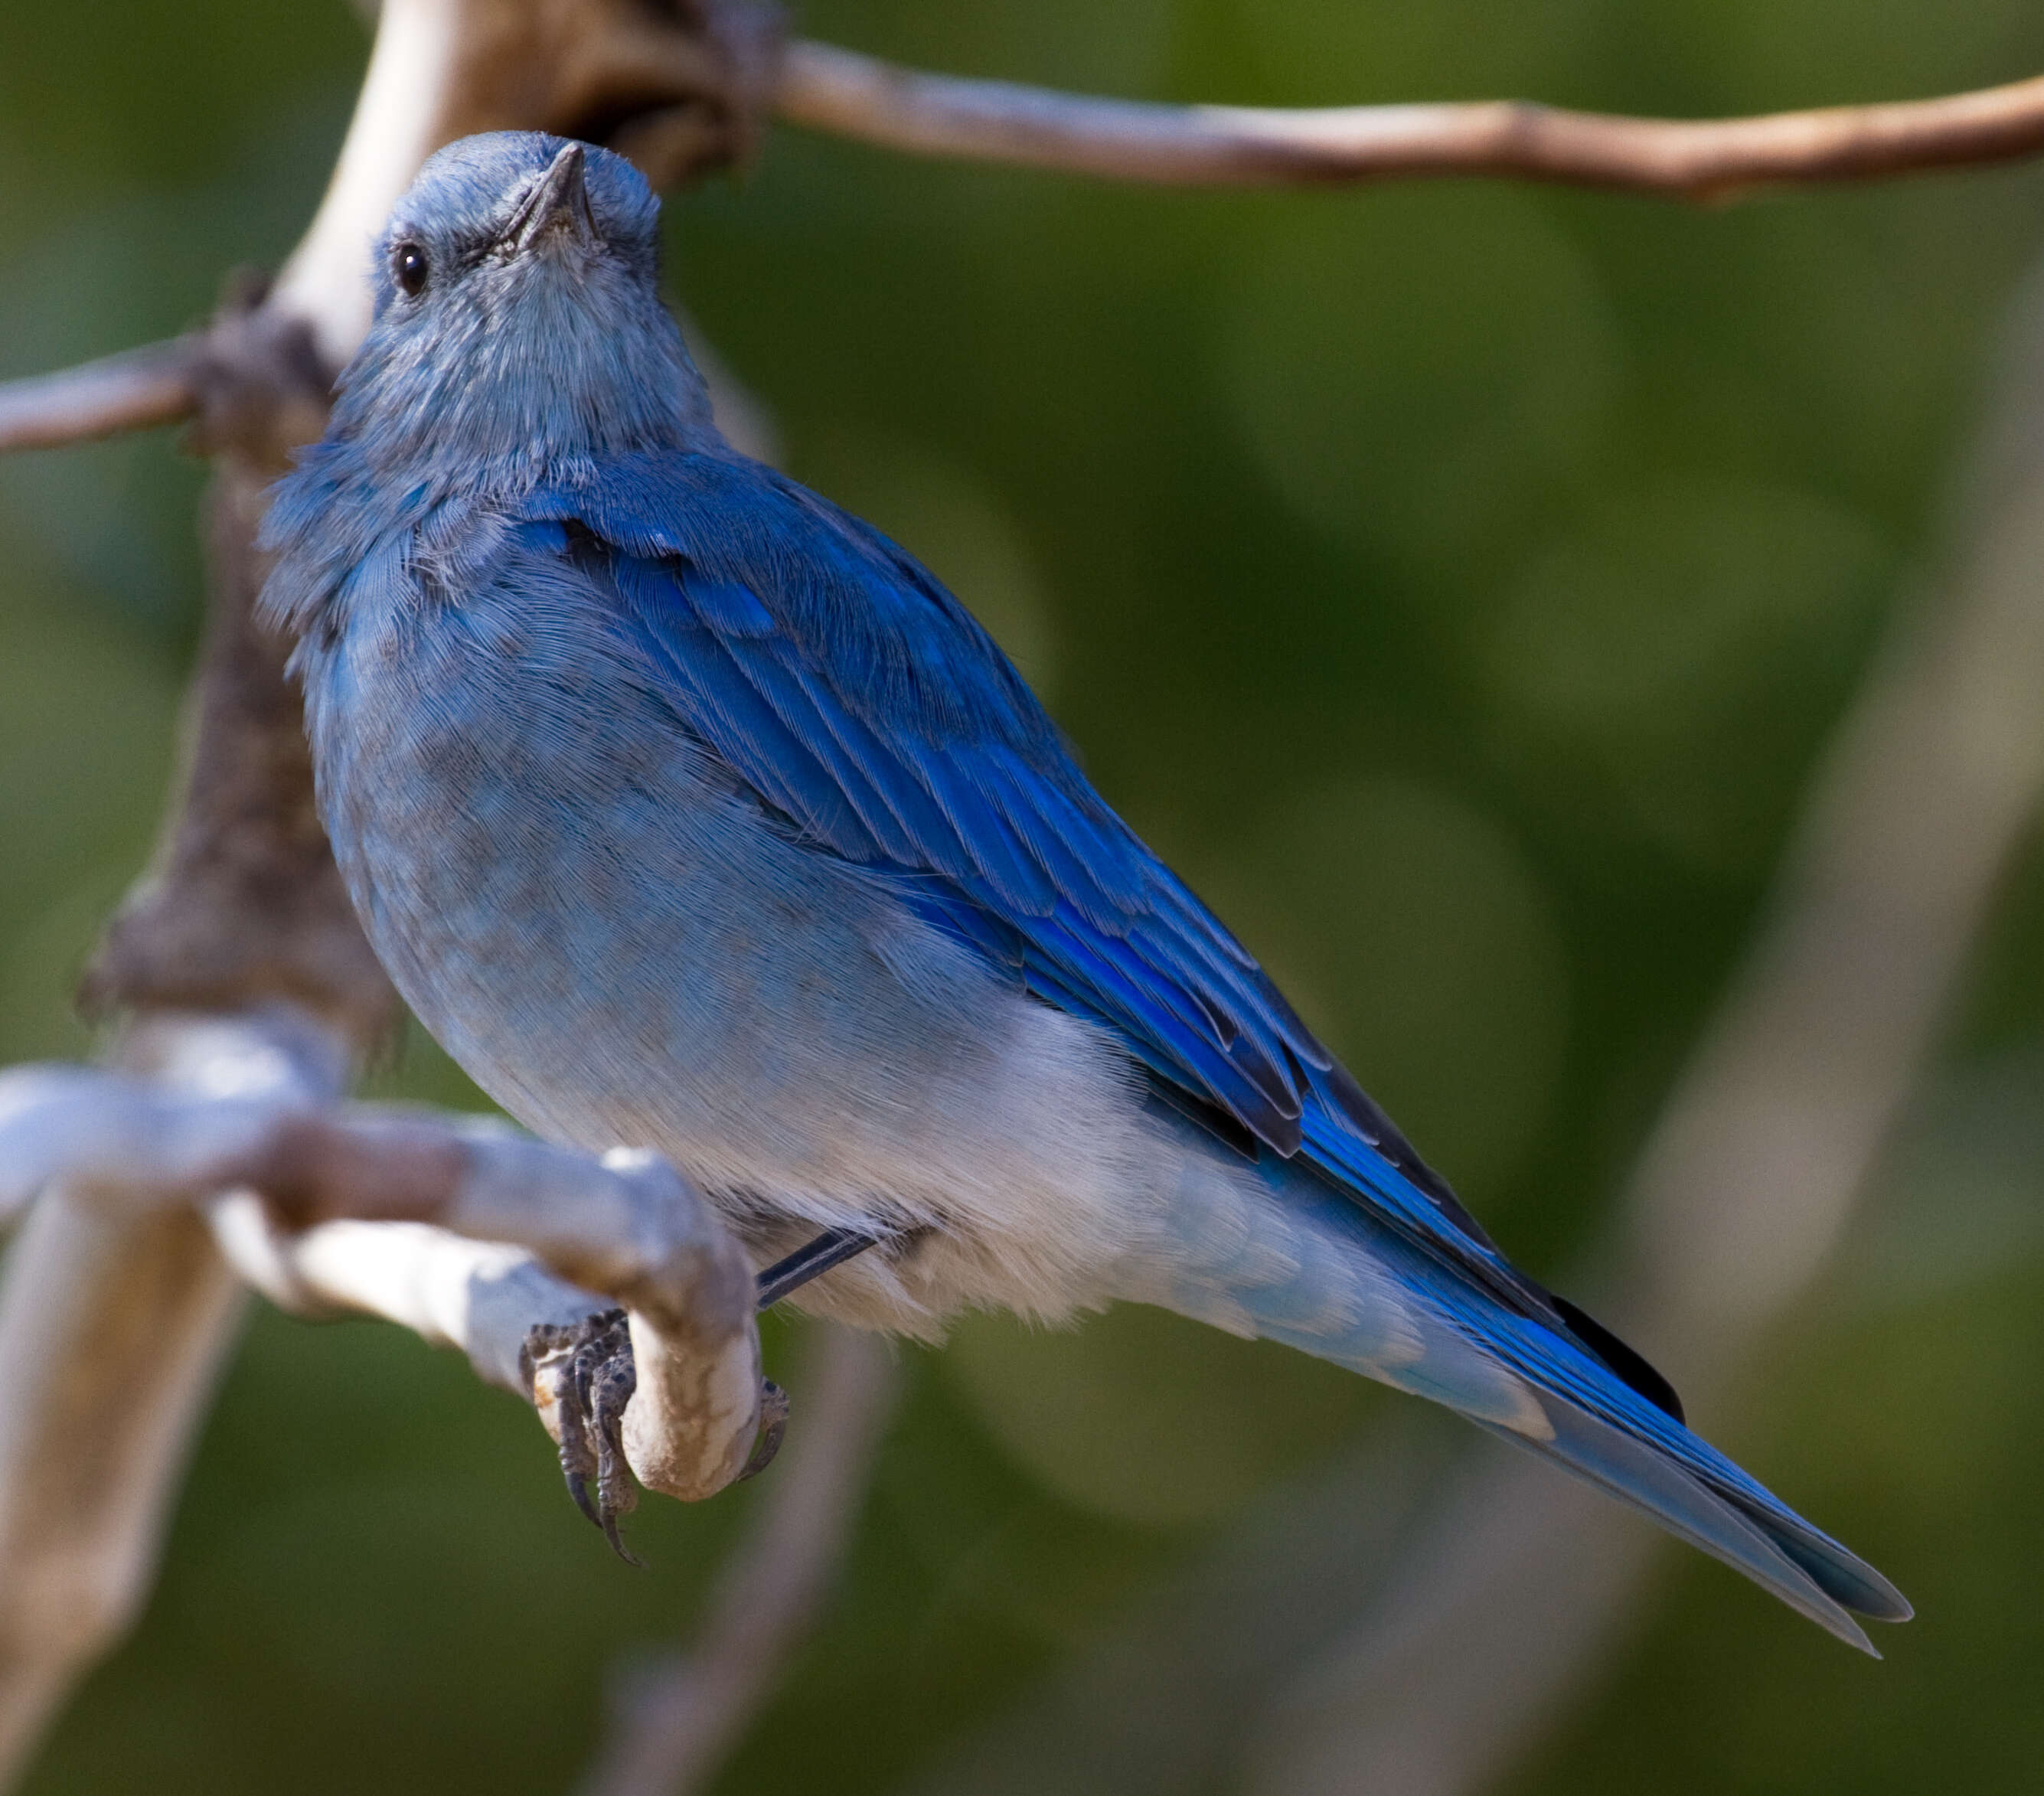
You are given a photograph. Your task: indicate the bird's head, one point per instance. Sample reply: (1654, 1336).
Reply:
(518, 316)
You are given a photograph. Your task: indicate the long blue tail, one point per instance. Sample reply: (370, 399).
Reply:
(1273, 1251)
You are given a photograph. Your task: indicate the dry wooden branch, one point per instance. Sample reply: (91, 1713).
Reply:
(238, 961)
(626, 1228)
(117, 1323)
(849, 95)
(132, 391)
(114, 1329)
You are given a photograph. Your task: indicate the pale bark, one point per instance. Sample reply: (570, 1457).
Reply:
(838, 91)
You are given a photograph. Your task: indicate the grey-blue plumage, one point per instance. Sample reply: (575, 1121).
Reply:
(690, 813)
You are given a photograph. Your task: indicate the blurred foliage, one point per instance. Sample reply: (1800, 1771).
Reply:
(1457, 582)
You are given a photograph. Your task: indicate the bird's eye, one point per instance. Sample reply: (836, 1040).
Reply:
(409, 263)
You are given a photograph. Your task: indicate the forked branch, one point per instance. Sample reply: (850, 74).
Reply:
(559, 1225)
(117, 1305)
(113, 1320)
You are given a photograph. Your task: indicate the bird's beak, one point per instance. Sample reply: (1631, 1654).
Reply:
(557, 208)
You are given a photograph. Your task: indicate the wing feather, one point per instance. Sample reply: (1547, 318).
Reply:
(835, 674)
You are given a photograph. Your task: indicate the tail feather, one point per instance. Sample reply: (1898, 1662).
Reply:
(1645, 1479)
(1842, 1573)
(1605, 1430)
(1266, 1249)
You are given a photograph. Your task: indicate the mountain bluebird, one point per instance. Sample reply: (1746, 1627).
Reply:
(687, 811)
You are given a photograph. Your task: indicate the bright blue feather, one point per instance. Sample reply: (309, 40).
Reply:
(836, 676)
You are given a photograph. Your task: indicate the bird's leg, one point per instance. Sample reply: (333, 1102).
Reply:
(581, 1378)
(832, 1247)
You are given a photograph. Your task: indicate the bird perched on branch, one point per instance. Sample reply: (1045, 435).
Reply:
(691, 813)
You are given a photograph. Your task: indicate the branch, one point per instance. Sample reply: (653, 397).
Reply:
(116, 1306)
(849, 95)
(112, 1334)
(134, 391)
(677, 1718)
(626, 1228)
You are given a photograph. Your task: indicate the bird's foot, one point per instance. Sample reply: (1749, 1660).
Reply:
(581, 1378)
(772, 1424)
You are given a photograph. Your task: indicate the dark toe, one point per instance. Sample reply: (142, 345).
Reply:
(593, 1377)
(773, 1425)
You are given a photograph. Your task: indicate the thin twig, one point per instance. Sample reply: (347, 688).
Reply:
(68, 1587)
(134, 391)
(850, 95)
(677, 1717)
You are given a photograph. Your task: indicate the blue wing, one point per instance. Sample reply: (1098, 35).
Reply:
(836, 675)
(857, 698)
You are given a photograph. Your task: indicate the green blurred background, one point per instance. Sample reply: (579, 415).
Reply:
(1457, 582)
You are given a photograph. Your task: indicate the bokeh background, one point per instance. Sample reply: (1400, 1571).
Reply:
(1457, 582)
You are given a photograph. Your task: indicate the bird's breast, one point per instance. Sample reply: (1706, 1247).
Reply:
(621, 945)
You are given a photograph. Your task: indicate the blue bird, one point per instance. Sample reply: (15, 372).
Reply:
(689, 811)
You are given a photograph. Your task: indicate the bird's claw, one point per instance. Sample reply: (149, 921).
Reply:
(581, 1378)
(772, 1424)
